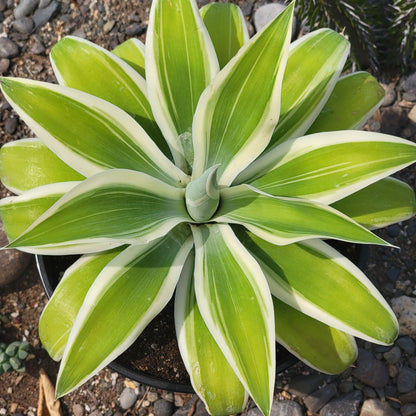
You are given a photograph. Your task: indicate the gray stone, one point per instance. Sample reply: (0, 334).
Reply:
(392, 120)
(265, 14)
(135, 29)
(408, 83)
(43, 16)
(406, 344)
(303, 385)
(8, 49)
(406, 380)
(390, 94)
(127, 398)
(162, 407)
(348, 405)
(408, 409)
(44, 3)
(412, 115)
(78, 410)
(393, 230)
(370, 371)
(13, 262)
(393, 356)
(3, 5)
(199, 410)
(393, 274)
(255, 411)
(319, 398)
(405, 309)
(23, 25)
(369, 392)
(4, 65)
(346, 387)
(25, 8)
(11, 125)
(108, 27)
(286, 408)
(409, 96)
(375, 407)
(37, 48)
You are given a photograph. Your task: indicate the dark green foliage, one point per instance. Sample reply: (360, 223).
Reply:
(12, 356)
(381, 32)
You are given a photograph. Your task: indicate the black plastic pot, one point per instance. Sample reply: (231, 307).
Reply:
(51, 269)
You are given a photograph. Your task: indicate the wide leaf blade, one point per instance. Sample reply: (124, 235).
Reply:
(131, 51)
(226, 27)
(60, 312)
(283, 221)
(28, 163)
(228, 129)
(313, 67)
(236, 306)
(317, 280)
(133, 288)
(85, 66)
(180, 63)
(385, 202)
(318, 345)
(99, 135)
(211, 376)
(115, 207)
(329, 166)
(353, 101)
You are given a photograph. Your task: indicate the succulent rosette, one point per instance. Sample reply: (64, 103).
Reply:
(209, 167)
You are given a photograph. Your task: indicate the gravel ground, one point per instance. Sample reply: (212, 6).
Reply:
(383, 380)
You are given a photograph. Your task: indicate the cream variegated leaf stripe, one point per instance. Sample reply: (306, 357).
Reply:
(110, 137)
(235, 303)
(180, 62)
(103, 330)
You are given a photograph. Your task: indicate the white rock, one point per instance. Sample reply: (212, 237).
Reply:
(405, 309)
(267, 13)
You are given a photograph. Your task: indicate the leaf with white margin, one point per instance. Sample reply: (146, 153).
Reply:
(226, 27)
(317, 280)
(117, 206)
(19, 212)
(313, 67)
(60, 312)
(320, 346)
(28, 163)
(236, 306)
(85, 66)
(180, 62)
(353, 101)
(238, 112)
(380, 204)
(87, 133)
(282, 220)
(132, 52)
(211, 376)
(130, 291)
(329, 166)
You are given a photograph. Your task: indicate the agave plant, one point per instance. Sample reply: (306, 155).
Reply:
(210, 167)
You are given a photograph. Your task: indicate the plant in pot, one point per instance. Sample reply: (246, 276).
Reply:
(211, 168)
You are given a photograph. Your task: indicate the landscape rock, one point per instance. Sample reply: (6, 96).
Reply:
(392, 120)
(162, 407)
(266, 13)
(43, 16)
(320, 398)
(23, 25)
(3, 5)
(44, 3)
(370, 371)
(393, 356)
(375, 407)
(37, 48)
(286, 408)
(10, 125)
(303, 385)
(8, 49)
(408, 83)
(390, 94)
(4, 65)
(25, 8)
(412, 115)
(255, 411)
(405, 309)
(406, 380)
(406, 344)
(199, 408)
(347, 405)
(78, 410)
(127, 398)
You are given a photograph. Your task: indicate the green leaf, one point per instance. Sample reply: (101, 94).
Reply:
(18, 213)
(236, 115)
(99, 136)
(85, 66)
(236, 306)
(317, 280)
(353, 101)
(378, 205)
(180, 63)
(132, 52)
(28, 163)
(114, 207)
(329, 166)
(318, 345)
(211, 375)
(313, 67)
(282, 220)
(60, 312)
(133, 288)
(227, 28)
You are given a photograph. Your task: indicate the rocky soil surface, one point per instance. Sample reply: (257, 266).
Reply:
(383, 380)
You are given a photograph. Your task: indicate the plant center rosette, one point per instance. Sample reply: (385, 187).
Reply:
(209, 167)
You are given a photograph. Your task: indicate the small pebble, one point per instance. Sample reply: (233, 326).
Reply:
(127, 398)
(4, 65)
(43, 3)
(78, 410)
(375, 407)
(8, 49)
(393, 356)
(23, 25)
(152, 396)
(108, 27)
(405, 309)
(37, 48)
(266, 13)
(346, 387)
(11, 125)
(412, 115)
(409, 96)
(393, 230)
(42, 16)
(320, 398)
(347, 405)
(304, 385)
(135, 29)
(287, 408)
(406, 344)
(25, 8)
(408, 409)
(162, 407)
(3, 5)
(370, 371)
(406, 380)
(390, 94)
(393, 274)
